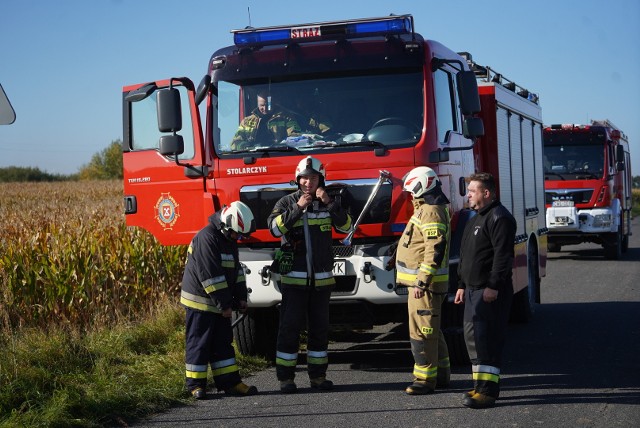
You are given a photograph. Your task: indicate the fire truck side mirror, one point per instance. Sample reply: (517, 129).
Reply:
(620, 158)
(472, 127)
(171, 145)
(468, 92)
(438, 156)
(203, 88)
(169, 110)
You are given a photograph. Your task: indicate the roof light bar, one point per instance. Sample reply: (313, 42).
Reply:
(390, 25)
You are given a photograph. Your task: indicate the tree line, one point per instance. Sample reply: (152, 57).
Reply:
(104, 165)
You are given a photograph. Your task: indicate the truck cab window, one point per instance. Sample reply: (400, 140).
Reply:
(445, 103)
(144, 125)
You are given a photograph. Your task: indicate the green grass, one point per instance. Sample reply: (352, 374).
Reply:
(65, 378)
(635, 209)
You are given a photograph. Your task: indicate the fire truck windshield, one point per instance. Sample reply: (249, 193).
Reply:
(574, 159)
(348, 112)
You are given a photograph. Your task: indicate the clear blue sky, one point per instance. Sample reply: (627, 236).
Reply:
(63, 63)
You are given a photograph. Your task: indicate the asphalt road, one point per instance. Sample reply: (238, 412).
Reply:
(576, 364)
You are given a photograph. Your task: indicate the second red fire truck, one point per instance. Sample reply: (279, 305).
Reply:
(391, 101)
(588, 186)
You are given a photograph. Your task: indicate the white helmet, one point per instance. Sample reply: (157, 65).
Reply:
(420, 180)
(308, 166)
(237, 217)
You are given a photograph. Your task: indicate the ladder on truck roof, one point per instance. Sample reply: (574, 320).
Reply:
(487, 74)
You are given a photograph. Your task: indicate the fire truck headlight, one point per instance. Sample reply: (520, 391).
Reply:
(602, 220)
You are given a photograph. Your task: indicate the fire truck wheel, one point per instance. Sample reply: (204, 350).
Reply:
(625, 243)
(523, 305)
(613, 246)
(256, 334)
(553, 247)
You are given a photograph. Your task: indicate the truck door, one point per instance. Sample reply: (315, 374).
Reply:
(164, 194)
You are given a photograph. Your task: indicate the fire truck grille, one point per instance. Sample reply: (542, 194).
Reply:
(342, 251)
(353, 195)
(580, 196)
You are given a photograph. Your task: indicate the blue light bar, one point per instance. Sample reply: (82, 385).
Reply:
(395, 26)
(261, 37)
(353, 28)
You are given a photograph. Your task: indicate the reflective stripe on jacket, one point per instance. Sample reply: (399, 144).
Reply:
(423, 250)
(286, 223)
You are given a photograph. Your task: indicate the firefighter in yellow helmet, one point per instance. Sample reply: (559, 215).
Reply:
(422, 264)
(303, 221)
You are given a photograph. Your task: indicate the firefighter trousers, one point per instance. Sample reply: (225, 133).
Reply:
(428, 346)
(485, 328)
(208, 341)
(303, 305)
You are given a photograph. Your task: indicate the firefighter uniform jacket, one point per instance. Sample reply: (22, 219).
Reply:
(213, 278)
(286, 222)
(486, 252)
(423, 251)
(276, 127)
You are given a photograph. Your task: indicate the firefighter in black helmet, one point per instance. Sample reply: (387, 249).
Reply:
(304, 220)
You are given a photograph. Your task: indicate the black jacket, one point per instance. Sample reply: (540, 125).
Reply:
(286, 222)
(486, 252)
(213, 279)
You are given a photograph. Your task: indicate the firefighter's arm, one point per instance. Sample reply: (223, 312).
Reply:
(339, 216)
(502, 237)
(213, 279)
(434, 233)
(283, 217)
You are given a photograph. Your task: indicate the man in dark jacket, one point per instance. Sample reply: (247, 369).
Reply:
(485, 287)
(213, 283)
(304, 220)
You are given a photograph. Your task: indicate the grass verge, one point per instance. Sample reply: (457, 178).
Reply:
(67, 378)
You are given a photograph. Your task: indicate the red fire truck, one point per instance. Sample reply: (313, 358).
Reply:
(391, 101)
(588, 186)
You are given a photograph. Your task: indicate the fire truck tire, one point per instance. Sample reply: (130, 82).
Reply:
(454, 333)
(523, 305)
(553, 247)
(256, 334)
(613, 246)
(625, 243)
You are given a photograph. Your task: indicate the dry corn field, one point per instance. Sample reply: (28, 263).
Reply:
(67, 258)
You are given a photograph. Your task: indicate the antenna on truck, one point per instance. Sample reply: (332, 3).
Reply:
(249, 13)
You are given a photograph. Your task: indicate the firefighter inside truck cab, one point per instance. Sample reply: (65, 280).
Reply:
(267, 125)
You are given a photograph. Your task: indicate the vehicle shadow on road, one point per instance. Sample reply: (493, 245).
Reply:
(595, 253)
(577, 347)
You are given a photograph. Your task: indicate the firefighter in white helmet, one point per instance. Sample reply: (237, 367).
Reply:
(212, 285)
(422, 264)
(303, 220)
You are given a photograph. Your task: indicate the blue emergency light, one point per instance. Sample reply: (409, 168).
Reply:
(354, 28)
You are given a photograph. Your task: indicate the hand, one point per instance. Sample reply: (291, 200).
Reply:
(459, 296)
(418, 293)
(305, 200)
(323, 195)
(489, 295)
(227, 313)
(242, 306)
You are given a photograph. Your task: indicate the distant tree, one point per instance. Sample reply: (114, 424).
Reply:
(19, 173)
(636, 182)
(104, 165)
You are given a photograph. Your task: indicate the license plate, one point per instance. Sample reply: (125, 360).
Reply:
(562, 203)
(339, 268)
